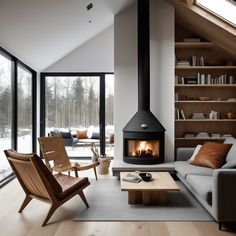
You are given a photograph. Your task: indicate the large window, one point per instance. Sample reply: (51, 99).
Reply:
(76, 104)
(6, 113)
(24, 110)
(17, 109)
(71, 102)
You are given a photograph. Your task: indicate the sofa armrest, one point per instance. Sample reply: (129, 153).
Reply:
(184, 153)
(224, 194)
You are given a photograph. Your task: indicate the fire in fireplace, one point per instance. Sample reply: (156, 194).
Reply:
(143, 148)
(143, 135)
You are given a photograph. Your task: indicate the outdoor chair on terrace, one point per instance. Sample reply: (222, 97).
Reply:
(53, 150)
(38, 182)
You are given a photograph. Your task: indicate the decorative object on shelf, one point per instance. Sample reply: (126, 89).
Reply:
(227, 136)
(202, 135)
(204, 98)
(198, 115)
(231, 100)
(231, 115)
(214, 115)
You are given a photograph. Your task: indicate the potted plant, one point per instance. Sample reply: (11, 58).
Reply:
(103, 160)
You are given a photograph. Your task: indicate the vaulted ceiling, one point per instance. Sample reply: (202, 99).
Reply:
(40, 32)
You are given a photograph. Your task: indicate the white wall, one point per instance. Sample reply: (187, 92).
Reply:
(96, 55)
(162, 70)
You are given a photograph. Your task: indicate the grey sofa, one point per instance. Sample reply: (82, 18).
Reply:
(67, 137)
(215, 189)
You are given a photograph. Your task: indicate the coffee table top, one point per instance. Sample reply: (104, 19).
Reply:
(160, 181)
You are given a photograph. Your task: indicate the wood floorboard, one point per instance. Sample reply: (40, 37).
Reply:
(29, 222)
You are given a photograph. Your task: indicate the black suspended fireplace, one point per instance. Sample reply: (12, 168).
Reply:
(144, 135)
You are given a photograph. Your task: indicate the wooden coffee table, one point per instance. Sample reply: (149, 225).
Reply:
(149, 193)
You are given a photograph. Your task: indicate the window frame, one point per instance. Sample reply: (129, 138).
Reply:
(102, 100)
(14, 78)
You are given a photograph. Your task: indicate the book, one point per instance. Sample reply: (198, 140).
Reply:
(177, 115)
(131, 178)
(202, 135)
(190, 80)
(182, 114)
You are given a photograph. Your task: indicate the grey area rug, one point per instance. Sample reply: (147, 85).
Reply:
(108, 203)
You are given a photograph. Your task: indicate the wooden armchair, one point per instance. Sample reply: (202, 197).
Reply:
(53, 149)
(38, 182)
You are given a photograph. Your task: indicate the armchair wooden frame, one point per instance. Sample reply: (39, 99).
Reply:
(53, 149)
(39, 183)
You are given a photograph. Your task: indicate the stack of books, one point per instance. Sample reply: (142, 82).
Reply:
(215, 136)
(182, 63)
(202, 135)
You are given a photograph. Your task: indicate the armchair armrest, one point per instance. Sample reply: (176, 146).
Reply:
(224, 194)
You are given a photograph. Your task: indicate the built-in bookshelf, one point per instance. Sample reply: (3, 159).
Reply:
(205, 93)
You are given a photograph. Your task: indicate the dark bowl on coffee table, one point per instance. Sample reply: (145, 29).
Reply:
(146, 176)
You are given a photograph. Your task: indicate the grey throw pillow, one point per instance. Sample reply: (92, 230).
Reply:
(231, 156)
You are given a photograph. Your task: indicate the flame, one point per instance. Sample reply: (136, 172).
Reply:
(143, 145)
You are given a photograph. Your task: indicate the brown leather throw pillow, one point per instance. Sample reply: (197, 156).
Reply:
(82, 134)
(211, 155)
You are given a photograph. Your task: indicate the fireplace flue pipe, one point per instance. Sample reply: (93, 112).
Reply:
(143, 56)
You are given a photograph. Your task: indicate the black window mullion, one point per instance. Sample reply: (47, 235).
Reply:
(14, 103)
(102, 115)
(42, 105)
(34, 111)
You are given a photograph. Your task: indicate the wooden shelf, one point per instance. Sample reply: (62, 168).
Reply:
(193, 45)
(211, 101)
(205, 120)
(218, 67)
(205, 85)
(205, 68)
(182, 139)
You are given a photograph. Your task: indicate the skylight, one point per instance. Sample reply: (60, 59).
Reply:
(224, 8)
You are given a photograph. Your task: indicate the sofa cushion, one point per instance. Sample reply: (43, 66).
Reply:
(185, 168)
(211, 155)
(65, 134)
(82, 134)
(95, 135)
(231, 156)
(202, 185)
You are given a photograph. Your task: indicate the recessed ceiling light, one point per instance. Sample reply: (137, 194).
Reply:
(89, 6)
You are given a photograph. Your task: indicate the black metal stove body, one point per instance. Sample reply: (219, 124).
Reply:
(144, 135)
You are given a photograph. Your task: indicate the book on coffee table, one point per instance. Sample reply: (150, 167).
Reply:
(131, 178)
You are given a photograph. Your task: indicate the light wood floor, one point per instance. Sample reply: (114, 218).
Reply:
(61, 224)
